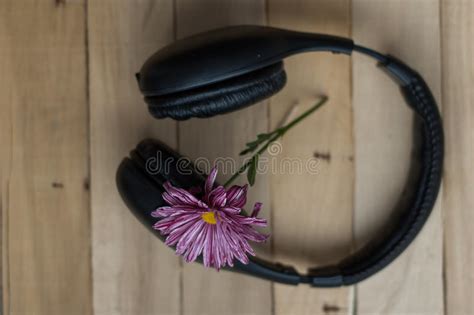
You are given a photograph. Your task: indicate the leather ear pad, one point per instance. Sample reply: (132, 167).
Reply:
(219, 98)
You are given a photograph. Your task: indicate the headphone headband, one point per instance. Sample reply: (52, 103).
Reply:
(142, 192)
(203, 59)
(379, 253)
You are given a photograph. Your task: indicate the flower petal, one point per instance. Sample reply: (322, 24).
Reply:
(170, 224)
(256, 209)
(163, 225)
(237, 196)
(217, 197)
(195, 249)
(207, 252)
(231, 210)
(167, 211)
(188, 237)
(217, 249)
(253, 221)
(253, 235)
(162, 212)
(178, 196)
(177, 233)
(238, 243)
(210, 181)
(225, 251)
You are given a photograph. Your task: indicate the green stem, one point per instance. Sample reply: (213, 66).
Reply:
(278, 133)
(305, 114)
(247, 164)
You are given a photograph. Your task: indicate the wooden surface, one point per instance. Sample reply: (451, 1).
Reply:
(312, 212)
(384, 140)
(207, 292)
(121, 35)
(458, 199)
(45, 162)
(71, 110)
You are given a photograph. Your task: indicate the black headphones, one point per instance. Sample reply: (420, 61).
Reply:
(228, 69)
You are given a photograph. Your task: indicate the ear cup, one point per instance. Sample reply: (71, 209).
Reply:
(219, 98)
(161, 164)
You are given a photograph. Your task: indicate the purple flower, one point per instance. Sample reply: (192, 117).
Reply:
(212, 226)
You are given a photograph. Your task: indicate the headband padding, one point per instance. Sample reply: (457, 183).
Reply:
(219, 98)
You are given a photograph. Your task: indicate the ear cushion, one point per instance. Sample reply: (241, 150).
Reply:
(219, 98)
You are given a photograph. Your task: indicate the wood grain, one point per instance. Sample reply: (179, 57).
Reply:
(44, 158)
(70, 109)
(458, 99)
(134, 273)
(223, 137)
(384, 147)
(312, 211)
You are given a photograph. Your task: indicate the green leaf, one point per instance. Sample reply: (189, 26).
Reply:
(246, 151)
(253, 145)
(252, 170)
(250, 148)
(263, 136)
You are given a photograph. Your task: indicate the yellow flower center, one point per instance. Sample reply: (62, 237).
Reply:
(209, 217)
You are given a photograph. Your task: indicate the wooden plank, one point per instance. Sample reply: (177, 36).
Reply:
(312, 218)
(224, 136)
(384, 145)
(458, 99)
(122, 34)
(44, 158)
